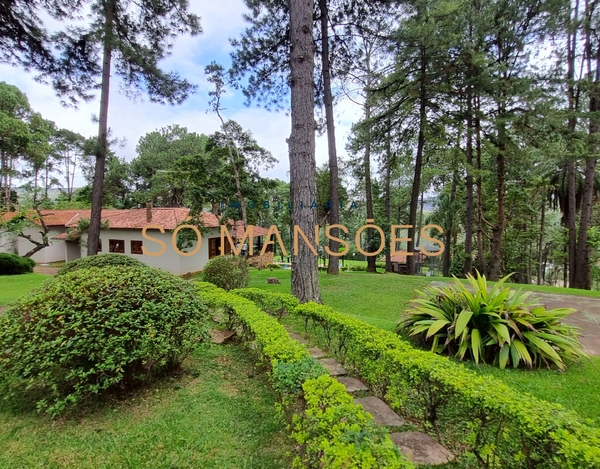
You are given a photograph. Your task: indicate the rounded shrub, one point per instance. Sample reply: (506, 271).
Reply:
(227, 272)
(13, 264)
(98, 329)
(100, 260)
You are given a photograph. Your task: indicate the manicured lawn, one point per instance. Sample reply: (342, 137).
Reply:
(12, 287)
(213, 416)
(379, 299)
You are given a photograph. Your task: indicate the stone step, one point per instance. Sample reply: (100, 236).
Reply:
(382, 413)
(316, 352)
(420, 448)
(299, 338)
(331, 364)
(352, 384)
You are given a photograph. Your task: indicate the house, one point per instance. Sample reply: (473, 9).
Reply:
(399, 261)
(125, 235)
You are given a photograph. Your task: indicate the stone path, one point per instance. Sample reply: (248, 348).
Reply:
(418, 447)
(587, 316)
(40, 269)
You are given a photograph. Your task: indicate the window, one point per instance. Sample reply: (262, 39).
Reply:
(99, 245)
(214, 247)
(116, 245)
(136, 247)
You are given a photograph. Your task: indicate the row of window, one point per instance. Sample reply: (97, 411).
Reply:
(118, 246)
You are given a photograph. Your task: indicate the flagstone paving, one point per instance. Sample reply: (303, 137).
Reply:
(382, 413)
(352, 384)
(420, 448)
(331, 364)
(587, 316)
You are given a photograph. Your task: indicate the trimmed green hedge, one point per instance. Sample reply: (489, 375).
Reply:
(13, 264)
(100, 260)
(276, 304)
(485, 421)
(333, 431)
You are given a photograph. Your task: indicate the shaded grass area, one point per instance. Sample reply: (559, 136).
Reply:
(212, 416)
(379, 299)
(12, 287)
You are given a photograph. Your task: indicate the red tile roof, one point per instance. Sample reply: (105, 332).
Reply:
(400, 257)
(54, 217)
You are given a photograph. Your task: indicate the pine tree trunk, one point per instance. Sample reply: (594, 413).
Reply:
(303, 187)
(388, 208)
(498, 228)
(334, 213)
(468, 265)
(480, 218)
(540, 266)
(416, 186)
(371, 261)
(449, 231)
(98, 186)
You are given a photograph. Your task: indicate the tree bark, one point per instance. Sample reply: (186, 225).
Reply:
(540, 266)
(388, 208)
(303, 187)
(371, 261)
(334, 213)
(416, 186)
(498, 228)
(480, 217)
(468, 265)
(449, 231)
(98, 186)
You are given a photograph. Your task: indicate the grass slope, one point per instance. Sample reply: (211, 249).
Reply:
(214, 416)
(12, 287)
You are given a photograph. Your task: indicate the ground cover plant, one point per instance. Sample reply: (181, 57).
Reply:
(13, 264)
(96, 329)
(217, 413)
(502, 326)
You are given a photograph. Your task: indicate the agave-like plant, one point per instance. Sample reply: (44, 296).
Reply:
(499, 326)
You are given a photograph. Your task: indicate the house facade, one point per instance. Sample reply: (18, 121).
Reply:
(125, 235)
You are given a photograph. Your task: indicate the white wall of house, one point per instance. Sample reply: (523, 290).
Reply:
(53, 253)
(7, 243)
(170, 260)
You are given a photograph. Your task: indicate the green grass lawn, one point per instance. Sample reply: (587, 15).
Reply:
(379, 299)
(12, 287)
(213, 416)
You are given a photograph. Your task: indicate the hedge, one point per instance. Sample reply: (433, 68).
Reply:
(13, 264)
(485, 421)
(333, 431)
(276, 304)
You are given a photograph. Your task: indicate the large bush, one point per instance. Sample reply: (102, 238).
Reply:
(500, 326)
(100, 260)
(99, 328)
(12, 264)
(227, 272)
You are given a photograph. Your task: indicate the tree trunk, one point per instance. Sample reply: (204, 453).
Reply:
(468, 265)
(334, 213)
(303, 187)
(540, 266)
(583, 276)
(571, 180)
(449, 231)
(480, 217)
(498, 228)
(98, 186)
(416, 186)
(388, 208)
(371, 261)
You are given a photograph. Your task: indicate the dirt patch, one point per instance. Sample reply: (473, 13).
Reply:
(40, 269)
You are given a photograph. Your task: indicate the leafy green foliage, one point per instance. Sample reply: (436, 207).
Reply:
(96, 329)
(227, 272)
(13, 264)
(276, 304)
(479, 418)
(502, 326)
(334, 431)
(338, 433)
(100, 260)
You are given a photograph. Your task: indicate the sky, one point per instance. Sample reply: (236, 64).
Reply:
(129, 120)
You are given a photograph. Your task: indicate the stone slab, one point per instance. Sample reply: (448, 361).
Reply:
(382, 413)
(299, 338)
(331, 364)
(420, 448)
(220, 336)
(316, 352)
(352, 384)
